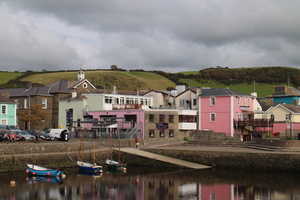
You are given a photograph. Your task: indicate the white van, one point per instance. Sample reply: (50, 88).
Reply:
(58, 134)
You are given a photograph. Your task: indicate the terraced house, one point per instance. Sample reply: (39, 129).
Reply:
(8, 114)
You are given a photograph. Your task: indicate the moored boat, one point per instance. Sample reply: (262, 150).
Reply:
(88, 167)
(42, 171)
(115, 165)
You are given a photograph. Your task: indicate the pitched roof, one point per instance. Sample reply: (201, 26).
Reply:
(5, 100)
(221, 92)
(34, 91)
(37, 91)
(13, 92)
(290, 107)
(289, 91)
(74, 85)
(59, 87)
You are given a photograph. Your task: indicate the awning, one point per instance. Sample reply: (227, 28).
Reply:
(107, 126)
(254, 111)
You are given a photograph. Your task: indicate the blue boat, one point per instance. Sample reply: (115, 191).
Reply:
(88, 167)
(42, 171)
(48, 179)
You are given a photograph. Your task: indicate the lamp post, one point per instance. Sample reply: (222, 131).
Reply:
(43, 121)
(290, 118)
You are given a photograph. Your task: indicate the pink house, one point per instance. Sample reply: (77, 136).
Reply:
(228, 111)
(116, 120)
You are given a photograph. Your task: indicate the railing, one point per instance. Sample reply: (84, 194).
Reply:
(254, 123)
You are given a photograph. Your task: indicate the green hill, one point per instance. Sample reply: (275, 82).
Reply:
(246, 80)
(123, 80)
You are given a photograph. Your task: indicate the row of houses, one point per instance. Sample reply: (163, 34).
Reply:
(155, 115)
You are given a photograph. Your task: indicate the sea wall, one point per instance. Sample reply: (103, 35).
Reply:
(65, 154)
(237, 160)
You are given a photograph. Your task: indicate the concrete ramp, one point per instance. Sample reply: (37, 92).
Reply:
(164, 158)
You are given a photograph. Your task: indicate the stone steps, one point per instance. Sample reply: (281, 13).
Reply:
(264, 147)
(216, 143)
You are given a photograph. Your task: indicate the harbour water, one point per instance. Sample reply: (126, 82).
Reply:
(140, 183)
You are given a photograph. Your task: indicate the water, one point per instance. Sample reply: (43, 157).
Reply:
(153, 184)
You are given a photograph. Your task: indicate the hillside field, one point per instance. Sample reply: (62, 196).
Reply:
(134, 80)
(6, 76)
(123, 80)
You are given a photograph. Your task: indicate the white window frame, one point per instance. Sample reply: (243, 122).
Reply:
(44, 103)
(26, 103)
(122, 100)
(4, 121)
(212, 101)
(108, 99)
(5, 111)
(181, 102)
(212, 117)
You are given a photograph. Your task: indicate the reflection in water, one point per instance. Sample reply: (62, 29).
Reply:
(145, 183)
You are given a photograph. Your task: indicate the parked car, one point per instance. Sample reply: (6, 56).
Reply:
(42, 134)
(9, 127)
(24, 135)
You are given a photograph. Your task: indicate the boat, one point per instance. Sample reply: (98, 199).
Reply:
(85, 166)
(113, 164)
(42, 171)
(48, 179)
(88, 167)
(116, 165)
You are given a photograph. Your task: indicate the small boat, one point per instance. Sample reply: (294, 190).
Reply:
(115, 165)
(88, 167)
(53, 179)
(42, 171)
(85, 166)
(112, 164)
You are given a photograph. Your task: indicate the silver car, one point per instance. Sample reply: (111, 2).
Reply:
(24, 135)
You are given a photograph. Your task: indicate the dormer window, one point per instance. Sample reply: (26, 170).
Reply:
(84, 85)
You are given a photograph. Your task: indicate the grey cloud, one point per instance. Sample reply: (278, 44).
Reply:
(165, 35)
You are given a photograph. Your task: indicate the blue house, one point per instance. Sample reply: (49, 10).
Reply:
(286, 94)
(8, 112)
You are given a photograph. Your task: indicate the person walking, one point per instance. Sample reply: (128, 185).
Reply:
(136, 142)
(37, 135)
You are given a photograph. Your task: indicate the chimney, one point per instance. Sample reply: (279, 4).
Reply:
(115, 90)
(5, 94)
(74, 93)
(28, 85)
(198, 91)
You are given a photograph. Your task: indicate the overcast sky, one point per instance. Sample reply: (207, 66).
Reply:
(167, 35)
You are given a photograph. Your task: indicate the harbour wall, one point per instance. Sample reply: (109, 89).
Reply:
(13, 157)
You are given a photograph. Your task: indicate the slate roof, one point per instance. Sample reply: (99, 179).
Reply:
(221, 92)
(289, 92)
(291, 107)
(13, 92)
(5, 100)
(34, 91)
(59, 87)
